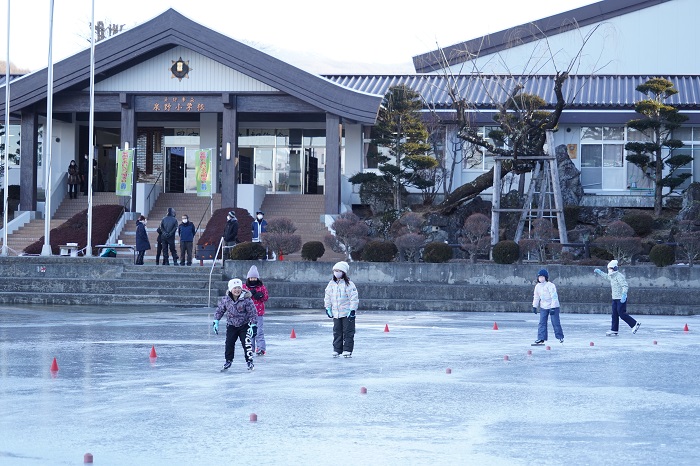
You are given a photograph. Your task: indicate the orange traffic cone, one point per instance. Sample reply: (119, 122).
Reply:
(54, 366)
(386, 328)
(293, 335)
(281, 257)
(685, 329)
(153, 352)
(495, 326)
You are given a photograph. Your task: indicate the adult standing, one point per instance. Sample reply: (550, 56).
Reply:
(73, 180)
(84, 175)
(341, 301)
(186, 230)
(545, 298)
(619, 288)
(259, 226)
(230, 234)
(168, 227)
(142, 243)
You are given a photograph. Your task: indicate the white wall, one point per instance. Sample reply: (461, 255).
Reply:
(659, 39)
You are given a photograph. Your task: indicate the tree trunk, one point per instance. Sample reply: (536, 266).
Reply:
(472, 189)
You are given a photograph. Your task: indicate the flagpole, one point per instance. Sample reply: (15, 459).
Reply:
(46, 249)
(6, 173)
(91, 136)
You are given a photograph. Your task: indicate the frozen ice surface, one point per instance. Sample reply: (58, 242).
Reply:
(624, 400)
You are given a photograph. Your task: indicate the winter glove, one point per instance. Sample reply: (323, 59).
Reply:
(215, 326)
(258, 295)
(599, 272)
(623, 299)
(351, 315)
(534, 310)
(329, 313)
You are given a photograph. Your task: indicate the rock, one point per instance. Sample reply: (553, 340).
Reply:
(569, 177)
(690, 210)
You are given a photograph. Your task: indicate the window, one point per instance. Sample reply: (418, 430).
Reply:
(478, 158)
(691, 146)
(602, 157)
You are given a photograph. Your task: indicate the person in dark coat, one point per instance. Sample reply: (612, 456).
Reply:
(84, 175)
(73, 180)
(159, 245)
(259, 226)
(230, 234)
(142, 243)
(186, 230)
(169, 228)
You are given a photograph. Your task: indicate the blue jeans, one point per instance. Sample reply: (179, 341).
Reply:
(619, 311)
(542, 327)
(259, 340)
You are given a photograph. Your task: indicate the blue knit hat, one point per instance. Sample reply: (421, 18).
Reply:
(543, 273)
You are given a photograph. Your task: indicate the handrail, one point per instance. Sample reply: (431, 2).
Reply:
(202, 219)
(211, 271)
(148, 197)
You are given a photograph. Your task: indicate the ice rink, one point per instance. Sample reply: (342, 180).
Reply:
(633, 399)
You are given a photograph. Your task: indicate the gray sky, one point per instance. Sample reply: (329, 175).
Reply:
(361, 36)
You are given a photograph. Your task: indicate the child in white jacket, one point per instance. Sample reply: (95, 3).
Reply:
(341, 302)
(546, 298)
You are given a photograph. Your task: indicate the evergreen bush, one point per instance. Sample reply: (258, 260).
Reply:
(506, 252)
(662, 255)
(641, 223)
(248, 251)
(437, 252)
(379, 251)
(312, 250)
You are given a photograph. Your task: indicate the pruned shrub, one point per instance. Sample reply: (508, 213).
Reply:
(640, 222)
(409, 246)
(662, 255)
(506, 252)
(689, 246)
(280, 238)
(437, 252)
(351, 234)
(475, 235)
(379, 251)
(248, 251)
(620, 242)
(312, 250)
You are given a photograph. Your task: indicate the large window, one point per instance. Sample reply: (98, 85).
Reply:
(691, 146)
(602, 157)
(478, 158)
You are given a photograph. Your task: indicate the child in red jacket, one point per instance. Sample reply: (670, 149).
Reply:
(259, 292)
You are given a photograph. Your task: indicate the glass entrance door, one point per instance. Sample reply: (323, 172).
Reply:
(175, 181)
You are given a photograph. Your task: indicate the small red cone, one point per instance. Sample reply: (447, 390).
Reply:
(654, 341)
(54, 366)
(293, 335)
(686, 329)
(281, 257)
(386, 328)
(506, 358)
(548, 347)
(363, 390)
(87, 458)
(591, 344)
(495, 326)
(448, 371)
(253, 417)
(529, 352)
(153, 352)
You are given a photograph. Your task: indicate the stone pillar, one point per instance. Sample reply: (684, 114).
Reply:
(229, 156)
(29, 160)
(332, 181)
(128, 135)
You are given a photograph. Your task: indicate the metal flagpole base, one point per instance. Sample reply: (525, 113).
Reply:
(46, 250)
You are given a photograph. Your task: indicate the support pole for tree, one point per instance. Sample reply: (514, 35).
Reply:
(496, 203)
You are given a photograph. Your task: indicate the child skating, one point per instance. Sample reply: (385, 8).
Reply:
(619, 287)
(545, 298)
(255, 285)
(241, 320)
(341, 302)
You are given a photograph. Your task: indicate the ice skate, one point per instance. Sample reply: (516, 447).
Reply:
(260, 352)
(611, 333)
(636, 327)
(538, 343)
(347, 354)
(251, 366)
(335, 355)
(227, 364)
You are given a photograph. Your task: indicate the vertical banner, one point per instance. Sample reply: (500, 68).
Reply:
(203, 172)
(125, 159)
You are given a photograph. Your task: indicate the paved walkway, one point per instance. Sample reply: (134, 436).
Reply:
(624, 400)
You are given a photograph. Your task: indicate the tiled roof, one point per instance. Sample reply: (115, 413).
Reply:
(482, 91)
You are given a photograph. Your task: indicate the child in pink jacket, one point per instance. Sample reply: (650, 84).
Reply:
(259, 292)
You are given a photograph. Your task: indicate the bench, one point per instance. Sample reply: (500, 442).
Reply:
(69, 249)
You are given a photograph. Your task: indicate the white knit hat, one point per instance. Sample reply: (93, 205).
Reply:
(234, 282)
(612, 264)
(342, 265)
